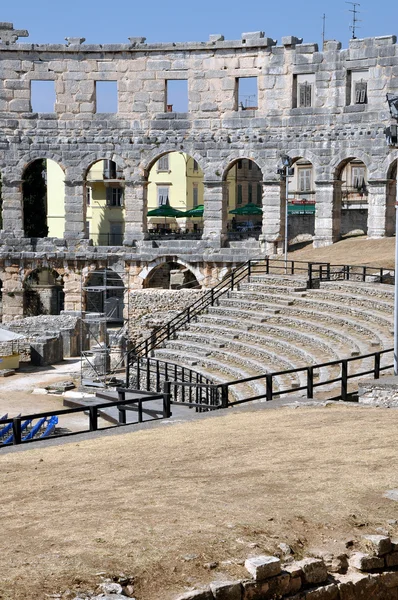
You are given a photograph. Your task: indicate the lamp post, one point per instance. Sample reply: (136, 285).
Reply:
(285, 171)
(392, 140)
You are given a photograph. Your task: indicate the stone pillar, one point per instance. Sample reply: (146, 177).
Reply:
(381, 213)
(273, 225)
(73, 291)
(135, 201)
(75, 210)
(12, 294)
(11, 192)
(327, 213)
(215, 212)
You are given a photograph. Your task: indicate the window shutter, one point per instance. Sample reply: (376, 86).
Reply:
(109, 196)
(305, 95)
(302, 95)
(360, 92)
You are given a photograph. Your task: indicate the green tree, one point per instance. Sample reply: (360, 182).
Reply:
(34, 189)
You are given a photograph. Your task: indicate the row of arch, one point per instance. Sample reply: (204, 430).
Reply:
(43, 191)
(103, 290)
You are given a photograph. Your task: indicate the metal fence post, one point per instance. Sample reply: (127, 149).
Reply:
(344, 379)
(224, 395)
(16, 430)
(377, 365)
(310, 382)
(269, 393)
(166, 400)
(93, 417)
(310, 276)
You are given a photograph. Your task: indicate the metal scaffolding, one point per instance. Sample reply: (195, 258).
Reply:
(104, 326)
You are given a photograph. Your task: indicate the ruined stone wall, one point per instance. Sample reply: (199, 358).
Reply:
(214, 131)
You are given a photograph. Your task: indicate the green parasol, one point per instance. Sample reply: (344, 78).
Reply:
(247, 209)
(197, 211)
(165, 210)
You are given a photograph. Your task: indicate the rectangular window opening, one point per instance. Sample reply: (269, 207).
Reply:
(106, 100)
(42, 96)
(177, 95)
(163, 195)
(259, 194)
(195, 194)
(305, 95)
(163, 164)
(239, 194)
(114, 196)
(247, 93)
(304, 180)
(361, 88)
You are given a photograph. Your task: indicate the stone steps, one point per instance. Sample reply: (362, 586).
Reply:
(365, 289)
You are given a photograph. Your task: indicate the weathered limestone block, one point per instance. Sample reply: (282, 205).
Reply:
(327, 592)
(263, 567)
(313, 569)
(226, 590)
(379, 544)
(365, 562)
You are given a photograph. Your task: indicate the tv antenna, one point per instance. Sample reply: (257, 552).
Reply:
(323, 29)
(355, 20)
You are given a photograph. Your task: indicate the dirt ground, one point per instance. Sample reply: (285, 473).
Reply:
(351, 251)
(161, 504)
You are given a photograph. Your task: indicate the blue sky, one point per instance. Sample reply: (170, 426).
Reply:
(162, 21)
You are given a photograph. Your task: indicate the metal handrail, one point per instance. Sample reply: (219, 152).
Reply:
(315, 271)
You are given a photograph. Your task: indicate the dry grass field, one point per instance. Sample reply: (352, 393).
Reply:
(351, 251)
(160, 504)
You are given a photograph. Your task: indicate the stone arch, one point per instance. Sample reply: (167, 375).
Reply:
(301, 198)
(43, 198)
(103, 292)
(148, 271)
(174, 181)
(243, 186)
(149, 159)
(90, 159)
(350, 199)
(38, 155)
(345, 157)
(170, 275)
(225, 165)
(104, 200)
(43, 292)
(391, 197)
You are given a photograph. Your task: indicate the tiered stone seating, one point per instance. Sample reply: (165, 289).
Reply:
(274, 323)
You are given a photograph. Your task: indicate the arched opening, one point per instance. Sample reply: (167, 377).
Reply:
(301, 202)
(43, 293)
(105, 212)
(175, 183)
(351, 198)
(171, 276)
(43, 190)
(243, 193)
(391, 198)
(104, 292)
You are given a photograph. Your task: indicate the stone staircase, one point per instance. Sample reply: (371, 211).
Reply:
(274, 323)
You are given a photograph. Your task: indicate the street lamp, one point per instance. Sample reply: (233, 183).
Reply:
(285, 171)
(391, 135)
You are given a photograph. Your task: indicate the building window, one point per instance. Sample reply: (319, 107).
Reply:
(358, 177)
(304, 180)
(259, 194)
(106, 97)
(250, 192)
(195, 194)
(305, 95)
(114, 196)
(239, 164)
(246, 93)
(239, 194)
(42, 96)
(361, 88)
(195, 165)
(250, 165)
(163, 163)
(109, 169)
(177, 95)
(163, 195)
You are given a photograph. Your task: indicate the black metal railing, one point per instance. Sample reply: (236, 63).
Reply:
(93, 413)
(309, 372)
(315, 273)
